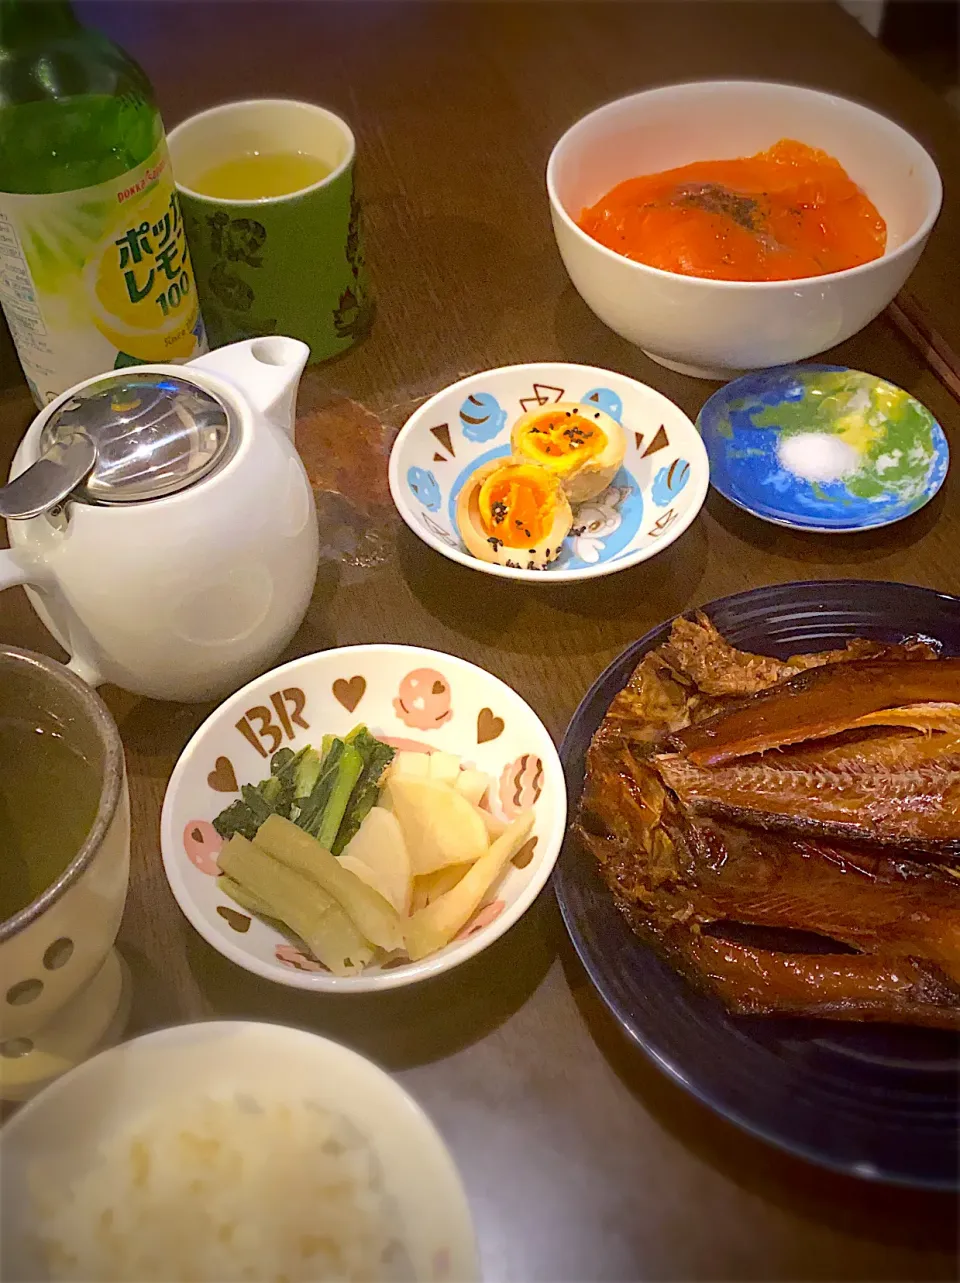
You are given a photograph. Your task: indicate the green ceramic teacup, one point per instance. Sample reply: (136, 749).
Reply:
(282, 264)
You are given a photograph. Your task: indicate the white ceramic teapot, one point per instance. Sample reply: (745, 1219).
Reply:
(163, 521)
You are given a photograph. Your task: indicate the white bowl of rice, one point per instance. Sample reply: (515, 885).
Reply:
(230, 1151)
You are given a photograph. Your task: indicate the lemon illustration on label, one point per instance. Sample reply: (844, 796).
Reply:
(140, 280)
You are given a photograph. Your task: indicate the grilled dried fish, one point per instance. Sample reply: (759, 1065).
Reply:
(702, 657)
(705, 659)
(914, 802)
(866, 901)
(759, 982)
(818, 703)
(727, 791)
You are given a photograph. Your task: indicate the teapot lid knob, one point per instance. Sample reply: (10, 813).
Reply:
(153, 433)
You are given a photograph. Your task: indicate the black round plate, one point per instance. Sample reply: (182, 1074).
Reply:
(875, 1101)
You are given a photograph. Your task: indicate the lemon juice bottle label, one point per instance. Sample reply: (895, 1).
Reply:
(98, 278)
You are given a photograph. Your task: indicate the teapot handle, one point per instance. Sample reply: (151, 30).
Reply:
(14, 572)
(86, 671)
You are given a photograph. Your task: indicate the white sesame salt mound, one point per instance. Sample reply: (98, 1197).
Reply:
(817, 456)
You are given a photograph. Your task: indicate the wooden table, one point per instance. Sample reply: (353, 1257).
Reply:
(581, 1160)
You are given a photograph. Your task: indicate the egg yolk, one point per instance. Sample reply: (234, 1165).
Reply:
(517, 505)
(562, 440)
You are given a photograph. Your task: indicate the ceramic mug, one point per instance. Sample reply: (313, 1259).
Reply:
(62, 990)
(282, 264)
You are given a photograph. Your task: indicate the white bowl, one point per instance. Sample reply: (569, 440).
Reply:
(716, 329)
(651, 501)
(420, 699)
(61, 1129)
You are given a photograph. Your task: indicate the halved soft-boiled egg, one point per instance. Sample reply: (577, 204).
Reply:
(580, 444)
(514, 514)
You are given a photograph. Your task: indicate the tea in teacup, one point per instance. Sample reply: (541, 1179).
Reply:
(49, 794)
(261, 175)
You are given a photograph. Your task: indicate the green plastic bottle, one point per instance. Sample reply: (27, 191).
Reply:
(94, 267)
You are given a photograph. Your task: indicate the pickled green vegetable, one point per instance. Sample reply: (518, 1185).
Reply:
(297, 901)
(302, 854)
(328, 794)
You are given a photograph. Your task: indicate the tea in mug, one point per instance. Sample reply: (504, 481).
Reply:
(258, 175)
(49, 796)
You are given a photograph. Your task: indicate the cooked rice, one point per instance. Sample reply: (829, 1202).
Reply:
(222, 1190)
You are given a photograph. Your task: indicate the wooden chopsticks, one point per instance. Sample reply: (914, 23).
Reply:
(914, 324)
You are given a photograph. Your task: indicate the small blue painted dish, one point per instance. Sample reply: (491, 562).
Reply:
(823, 448)
(653, 496)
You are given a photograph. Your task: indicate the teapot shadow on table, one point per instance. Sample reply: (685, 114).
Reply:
(398, 1028)
(880, 1212)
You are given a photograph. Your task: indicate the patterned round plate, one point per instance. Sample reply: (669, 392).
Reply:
(418, 700)
(875, 1101)
(651, 501)
(823, 447)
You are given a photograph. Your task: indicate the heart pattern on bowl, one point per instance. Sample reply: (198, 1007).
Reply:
(291, 956)
(233, 918)
(489, 727)
(223, 778)
(525, 854)
(349, 693)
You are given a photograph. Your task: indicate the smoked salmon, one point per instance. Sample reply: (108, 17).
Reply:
(786, 213)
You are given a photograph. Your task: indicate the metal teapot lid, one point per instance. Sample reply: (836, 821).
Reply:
(127, 438)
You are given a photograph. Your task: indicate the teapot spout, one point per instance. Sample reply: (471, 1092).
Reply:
(267, 371)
